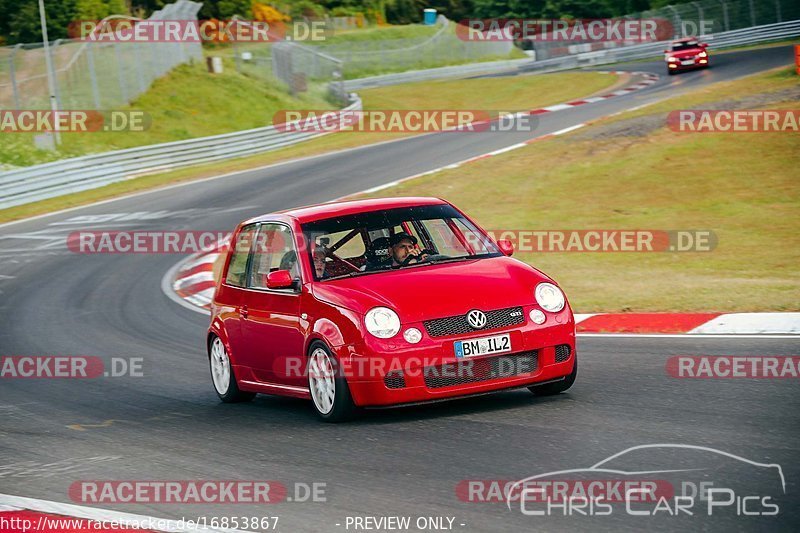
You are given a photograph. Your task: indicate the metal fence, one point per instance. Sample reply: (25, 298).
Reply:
(298, 64)
(742, 37)
(704, 17)
(718, 41)
(67, 176)
(93, 75)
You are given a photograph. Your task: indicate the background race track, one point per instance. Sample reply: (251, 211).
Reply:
(170, 425)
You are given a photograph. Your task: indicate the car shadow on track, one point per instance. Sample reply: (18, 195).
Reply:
(293, 411)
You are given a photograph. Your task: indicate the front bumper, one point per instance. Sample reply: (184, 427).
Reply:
(697, 62)
(383, 372)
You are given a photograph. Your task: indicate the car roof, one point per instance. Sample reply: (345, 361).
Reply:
(335, 209)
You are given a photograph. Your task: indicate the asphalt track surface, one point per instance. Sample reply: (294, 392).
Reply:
(169, 425)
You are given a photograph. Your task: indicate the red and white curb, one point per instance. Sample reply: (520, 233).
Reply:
(690, 323)
(30, 515)
(190, 283)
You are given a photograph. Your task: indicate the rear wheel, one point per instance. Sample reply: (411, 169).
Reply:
(330, 394)
(548, 389)
(222, 374)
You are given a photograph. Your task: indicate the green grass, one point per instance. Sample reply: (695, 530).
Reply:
(524, 92)
(187, 103)
(382, 33)
(505, 93)
(743, 187)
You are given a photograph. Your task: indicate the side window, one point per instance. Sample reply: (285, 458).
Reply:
(241, 250)
(275, 250)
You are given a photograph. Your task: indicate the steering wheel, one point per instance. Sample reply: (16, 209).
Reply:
(418, 258)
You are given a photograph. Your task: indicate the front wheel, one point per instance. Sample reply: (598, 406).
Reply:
(548, 389)
(222, 375)
(329, 391)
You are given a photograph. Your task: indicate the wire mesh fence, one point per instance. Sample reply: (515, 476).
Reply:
(300, 64)
(93, 74)
(704, 17)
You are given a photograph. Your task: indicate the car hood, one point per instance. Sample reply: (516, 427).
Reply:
(434, 291)
(685, 54)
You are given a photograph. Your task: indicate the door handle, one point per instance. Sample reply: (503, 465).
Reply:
(243, 311)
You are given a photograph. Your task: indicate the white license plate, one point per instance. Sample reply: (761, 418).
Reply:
(483, 346)
(687, 62)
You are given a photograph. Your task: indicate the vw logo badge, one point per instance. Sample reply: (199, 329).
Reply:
(476, 319)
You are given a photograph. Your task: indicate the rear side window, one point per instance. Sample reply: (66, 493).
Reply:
(237, 269)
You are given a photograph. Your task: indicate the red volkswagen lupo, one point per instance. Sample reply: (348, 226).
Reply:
(384, 302)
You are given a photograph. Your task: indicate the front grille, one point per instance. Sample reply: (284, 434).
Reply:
(458, 325)
(394, 379)
(562, 353)
(476, 370)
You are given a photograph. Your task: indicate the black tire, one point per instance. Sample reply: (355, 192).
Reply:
(231, 393)
(549, 389)
(671, 72)
(343, 408)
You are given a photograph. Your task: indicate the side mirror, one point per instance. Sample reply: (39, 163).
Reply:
(506, 246)
(666, 51)
(704, 45)
(280, 279)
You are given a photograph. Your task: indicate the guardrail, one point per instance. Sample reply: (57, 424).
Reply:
(40, 182)
(743, 37)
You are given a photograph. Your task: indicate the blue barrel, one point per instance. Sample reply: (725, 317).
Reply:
(429, 19)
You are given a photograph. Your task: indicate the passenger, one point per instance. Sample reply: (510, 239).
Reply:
(318, 256)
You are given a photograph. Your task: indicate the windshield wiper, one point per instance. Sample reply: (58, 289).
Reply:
(354, 274)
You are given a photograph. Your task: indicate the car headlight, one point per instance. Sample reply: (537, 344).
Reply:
(382, 322)
(550, 297)
(672, 59)
(702, 54)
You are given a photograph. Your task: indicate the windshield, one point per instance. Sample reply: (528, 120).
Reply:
(684, 45)
(380, 241)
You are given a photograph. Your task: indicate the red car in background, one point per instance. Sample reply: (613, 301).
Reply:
(684, 54)
(383, 302)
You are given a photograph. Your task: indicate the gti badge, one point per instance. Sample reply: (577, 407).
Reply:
(476, 319)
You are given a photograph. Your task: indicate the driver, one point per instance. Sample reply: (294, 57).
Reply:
(403, 245)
